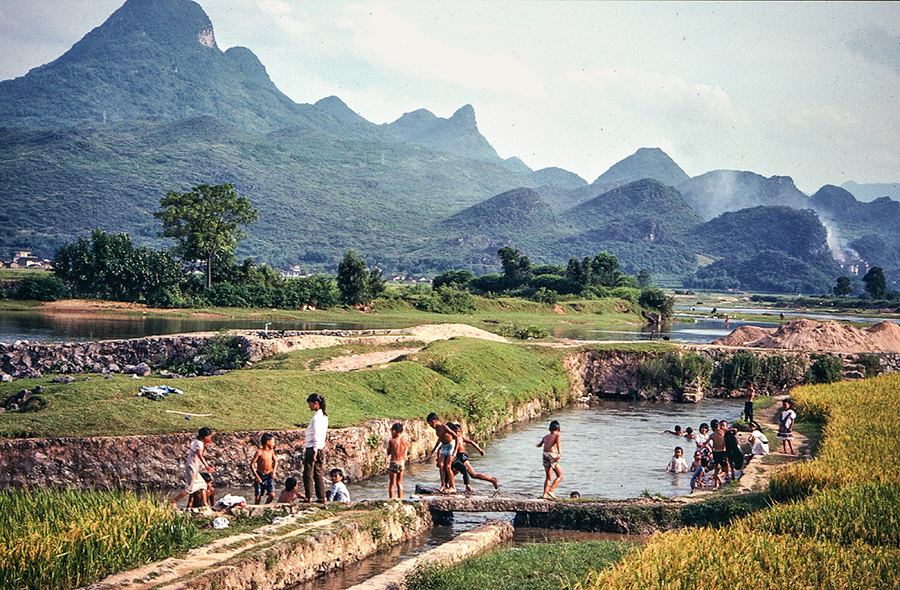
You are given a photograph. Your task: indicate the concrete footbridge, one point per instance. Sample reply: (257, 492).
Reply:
(438, 502)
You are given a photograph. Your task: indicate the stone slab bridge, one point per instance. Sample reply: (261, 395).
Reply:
(442, 506)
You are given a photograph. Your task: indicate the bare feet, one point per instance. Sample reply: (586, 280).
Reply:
(494, 481)
(450, 491)
(469, 489)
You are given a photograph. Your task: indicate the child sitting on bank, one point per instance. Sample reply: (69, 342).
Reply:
(677, 464)
(290, 493)
(338, 491)
(205, 497)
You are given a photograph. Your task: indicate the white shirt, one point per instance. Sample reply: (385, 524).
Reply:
(339, 492)
(316, 431)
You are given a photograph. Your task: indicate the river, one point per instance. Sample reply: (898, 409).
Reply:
(35, 326)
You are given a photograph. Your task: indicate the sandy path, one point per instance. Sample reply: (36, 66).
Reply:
(359, 361)
(757, 474)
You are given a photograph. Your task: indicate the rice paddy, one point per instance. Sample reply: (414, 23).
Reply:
(56, 540)
(835, 523)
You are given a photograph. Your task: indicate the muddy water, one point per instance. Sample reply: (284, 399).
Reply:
(610, 449)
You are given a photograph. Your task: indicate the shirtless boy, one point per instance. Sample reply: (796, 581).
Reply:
(396, 450)
(263, 467)
(551, 456)
(448, 443)
(720, 455)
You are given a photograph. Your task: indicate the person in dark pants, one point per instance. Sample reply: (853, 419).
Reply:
(313, 458)
(748, 405)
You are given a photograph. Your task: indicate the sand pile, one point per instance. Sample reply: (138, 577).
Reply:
(803, 334)
(744, 335)
(886, 335)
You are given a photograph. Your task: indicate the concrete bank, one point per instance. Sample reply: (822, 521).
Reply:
(462, 546)
(278, 556)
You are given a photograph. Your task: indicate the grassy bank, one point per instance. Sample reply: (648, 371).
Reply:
(837, 523)
(65, 539)
(461, 378)
(532, 567)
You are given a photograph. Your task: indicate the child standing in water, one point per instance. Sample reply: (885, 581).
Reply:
(263, 466)
(551, 456)
(396, 450)
(193, 478)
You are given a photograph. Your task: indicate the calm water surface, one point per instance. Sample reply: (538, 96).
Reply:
(610, 449)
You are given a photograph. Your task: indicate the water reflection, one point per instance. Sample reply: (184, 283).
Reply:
(41, 327)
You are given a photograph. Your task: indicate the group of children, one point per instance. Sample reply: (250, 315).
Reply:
(717, 452)
(452, 457)
(263, 466)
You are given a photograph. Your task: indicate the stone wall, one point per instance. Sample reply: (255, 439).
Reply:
(156, 462)
(616, 373)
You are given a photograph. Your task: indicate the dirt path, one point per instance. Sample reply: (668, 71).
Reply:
(359, 361)
(210, 555)
(757, 474)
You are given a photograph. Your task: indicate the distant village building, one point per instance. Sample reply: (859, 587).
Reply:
(25, 259)
(294, 272)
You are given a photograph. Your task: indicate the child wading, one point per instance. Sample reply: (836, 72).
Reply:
(447, 441)
(193, 477)
(396, 450)
(461, 463)
(551, 456)
(263, 466)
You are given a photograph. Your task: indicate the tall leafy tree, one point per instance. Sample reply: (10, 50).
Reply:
(353, 279)
(205, 220)
(843, 288)
(605, 270)
(516, 267)
(876, 284)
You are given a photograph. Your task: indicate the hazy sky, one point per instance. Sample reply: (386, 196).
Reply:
(808, 90)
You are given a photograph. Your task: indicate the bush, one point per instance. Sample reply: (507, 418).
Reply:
(41, 289)
(523, 332)
(827, 369)
(870, 363)
(220, 352)
(447, 300)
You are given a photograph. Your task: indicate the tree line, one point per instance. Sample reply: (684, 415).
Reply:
(201, 269)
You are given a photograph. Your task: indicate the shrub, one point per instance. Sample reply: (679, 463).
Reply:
(827, 369)
(871, 363)
(447, 300)
(41, 289)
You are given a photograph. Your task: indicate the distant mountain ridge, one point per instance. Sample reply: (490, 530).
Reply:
(147, 102)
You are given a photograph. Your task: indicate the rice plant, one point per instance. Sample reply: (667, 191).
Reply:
(62, 539)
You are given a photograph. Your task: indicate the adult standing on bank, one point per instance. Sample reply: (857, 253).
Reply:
(313, 459)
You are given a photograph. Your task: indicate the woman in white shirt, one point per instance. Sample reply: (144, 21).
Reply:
(313, 460)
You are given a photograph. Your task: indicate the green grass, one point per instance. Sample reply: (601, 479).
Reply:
(531, 567)
(61, 539)
(447, 377)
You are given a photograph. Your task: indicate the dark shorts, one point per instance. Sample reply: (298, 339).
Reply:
(266, 486)
(462, 456)
(396, 467)
(720, 459)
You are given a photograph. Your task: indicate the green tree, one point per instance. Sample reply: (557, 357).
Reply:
(109, 266)
(876, 284)
(516, 267)
(644, 279)
(843, 288)
(356, 283)
(205, 220)
(653, 298)
(458, 279)
(605, 270)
